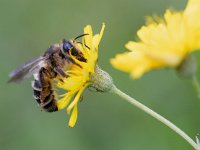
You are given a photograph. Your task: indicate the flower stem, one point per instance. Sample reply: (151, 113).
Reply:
(152, 113)
(196, 85)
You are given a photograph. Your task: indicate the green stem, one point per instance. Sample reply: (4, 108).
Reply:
(197, 140)
(152, 113)
(196, 85)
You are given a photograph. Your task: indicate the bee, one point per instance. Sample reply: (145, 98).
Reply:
(46, 68)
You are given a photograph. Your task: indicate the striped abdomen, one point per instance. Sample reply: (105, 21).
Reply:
(43, 93)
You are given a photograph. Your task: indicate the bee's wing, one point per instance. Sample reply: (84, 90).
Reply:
(27, 69)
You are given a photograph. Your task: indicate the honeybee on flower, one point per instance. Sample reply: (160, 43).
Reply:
(69, 65)
(80, 76)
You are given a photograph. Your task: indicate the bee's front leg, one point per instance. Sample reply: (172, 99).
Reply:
(60, 71)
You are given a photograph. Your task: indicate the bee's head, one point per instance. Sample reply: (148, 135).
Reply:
(70, 45)
(66, 46)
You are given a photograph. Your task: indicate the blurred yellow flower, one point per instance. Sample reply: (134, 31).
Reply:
(163, 42)
(79, 74)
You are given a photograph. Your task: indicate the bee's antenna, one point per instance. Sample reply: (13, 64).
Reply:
(80, 36)
(84, 44)
(87, 46)
(80, 43)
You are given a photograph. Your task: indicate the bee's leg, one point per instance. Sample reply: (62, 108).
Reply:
(84, 44)
(60, 71)
(69, 59)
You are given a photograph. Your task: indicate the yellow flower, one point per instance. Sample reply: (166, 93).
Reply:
(163, 42)
(79, 73)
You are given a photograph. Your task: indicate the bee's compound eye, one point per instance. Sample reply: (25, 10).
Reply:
(67, 46)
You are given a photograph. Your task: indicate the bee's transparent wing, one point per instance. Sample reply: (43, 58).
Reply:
(27, 69)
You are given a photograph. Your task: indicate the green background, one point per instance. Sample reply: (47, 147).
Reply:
(105, 121)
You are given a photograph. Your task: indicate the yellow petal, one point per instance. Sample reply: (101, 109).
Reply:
(76, 99)
(192, 8)
(73, 83)
(97, 37)
(73, 117)
(63, 102)
(88, 38)
(161, 54)
(135, 62)
(191, 18)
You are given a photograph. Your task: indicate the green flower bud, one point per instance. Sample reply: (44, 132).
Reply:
(101, 80)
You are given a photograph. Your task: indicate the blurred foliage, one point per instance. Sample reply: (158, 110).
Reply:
(105, 121)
